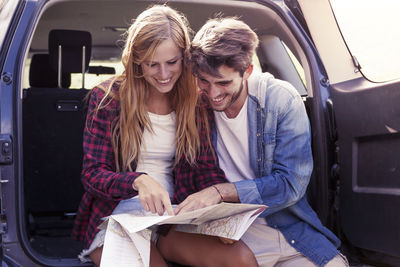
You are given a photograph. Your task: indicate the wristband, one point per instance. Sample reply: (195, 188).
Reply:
(219, 193)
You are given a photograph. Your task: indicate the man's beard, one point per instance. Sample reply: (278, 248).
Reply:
(235, 96)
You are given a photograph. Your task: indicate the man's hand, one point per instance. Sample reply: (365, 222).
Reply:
(152, 195)
(209, 196)
(204, 198)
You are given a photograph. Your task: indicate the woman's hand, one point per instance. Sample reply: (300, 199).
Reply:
(152, 195)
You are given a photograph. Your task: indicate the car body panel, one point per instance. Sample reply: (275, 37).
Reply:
(368, 123)
(367, 117)
(16, 251)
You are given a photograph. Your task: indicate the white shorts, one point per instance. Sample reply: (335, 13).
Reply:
(128, 205)
(271, 248)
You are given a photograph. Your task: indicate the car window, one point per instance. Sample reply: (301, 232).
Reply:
(370, 30)
(297, 65)
(7, 8)
(92, 80)
(256, 63)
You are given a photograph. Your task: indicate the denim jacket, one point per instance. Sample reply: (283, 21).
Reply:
(281, 158)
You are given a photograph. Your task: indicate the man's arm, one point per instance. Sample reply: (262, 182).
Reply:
(291, 167)
(209, 196)
(292, 161)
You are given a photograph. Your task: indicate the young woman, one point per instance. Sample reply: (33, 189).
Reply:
(142, 127)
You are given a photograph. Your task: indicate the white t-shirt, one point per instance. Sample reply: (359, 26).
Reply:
(158, 150)
(233, 145)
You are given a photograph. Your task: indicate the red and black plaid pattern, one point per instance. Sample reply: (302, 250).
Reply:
(104, 187)
(189, 179)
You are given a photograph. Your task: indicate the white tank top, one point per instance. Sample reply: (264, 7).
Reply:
(158, 150)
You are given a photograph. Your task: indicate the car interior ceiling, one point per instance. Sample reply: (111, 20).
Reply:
(53, 117)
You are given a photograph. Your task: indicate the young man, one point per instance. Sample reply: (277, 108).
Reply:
(262, 139)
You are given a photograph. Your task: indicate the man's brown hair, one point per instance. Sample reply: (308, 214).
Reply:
(223, 41)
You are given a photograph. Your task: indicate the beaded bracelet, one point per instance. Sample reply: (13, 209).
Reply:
(219, 192)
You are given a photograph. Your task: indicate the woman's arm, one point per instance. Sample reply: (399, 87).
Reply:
(99, 176)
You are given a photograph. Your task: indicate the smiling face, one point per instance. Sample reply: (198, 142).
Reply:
(164, 69)
(225, 93)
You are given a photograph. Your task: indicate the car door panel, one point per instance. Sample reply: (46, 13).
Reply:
(367, 117)
(368, 124)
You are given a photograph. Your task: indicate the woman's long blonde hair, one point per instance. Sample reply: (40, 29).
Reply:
(150, 28)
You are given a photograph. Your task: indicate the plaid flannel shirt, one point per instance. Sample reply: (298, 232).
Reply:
(104, 187)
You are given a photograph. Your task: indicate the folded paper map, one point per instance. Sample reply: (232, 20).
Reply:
(127, 240)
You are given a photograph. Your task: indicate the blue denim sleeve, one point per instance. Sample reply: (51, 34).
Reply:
(288, 160)
(248, 192)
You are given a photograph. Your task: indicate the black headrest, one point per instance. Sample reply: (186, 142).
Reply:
(71, 42)
(41, 74)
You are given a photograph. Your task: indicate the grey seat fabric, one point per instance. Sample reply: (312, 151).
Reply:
(53, 123)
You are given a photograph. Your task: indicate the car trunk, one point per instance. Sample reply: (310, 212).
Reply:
(54, 107)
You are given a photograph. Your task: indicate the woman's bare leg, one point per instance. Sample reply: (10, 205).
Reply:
(95, 256)
(202, 250)
(155, 257)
